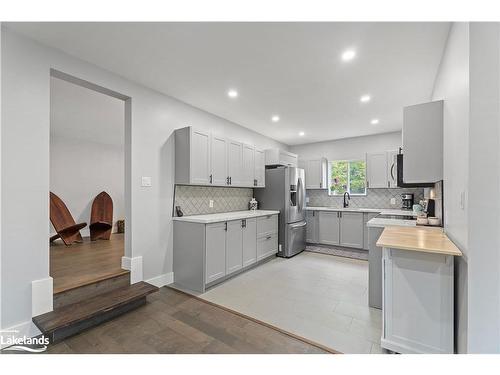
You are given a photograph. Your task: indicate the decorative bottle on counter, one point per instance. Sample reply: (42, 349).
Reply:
(252, 205)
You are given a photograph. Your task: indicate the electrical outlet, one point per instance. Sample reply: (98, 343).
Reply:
(307, 199)
(211, 203)
(393, 201)
(146, 181)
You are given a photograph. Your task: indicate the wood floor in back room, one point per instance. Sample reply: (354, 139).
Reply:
(173, 322)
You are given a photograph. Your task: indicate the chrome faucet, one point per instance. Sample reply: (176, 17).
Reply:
(346, 202)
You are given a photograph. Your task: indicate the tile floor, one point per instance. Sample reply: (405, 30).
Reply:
(320, 297)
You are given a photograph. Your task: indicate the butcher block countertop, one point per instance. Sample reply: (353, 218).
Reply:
(423, 239)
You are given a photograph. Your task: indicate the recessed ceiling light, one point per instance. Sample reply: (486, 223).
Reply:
(302, 134)
(275, 118)
(365, 98)
(348, 55)
(232, 93)
(374, 121)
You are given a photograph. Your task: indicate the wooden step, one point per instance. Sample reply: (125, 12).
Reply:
(72, 319)
(92, 288)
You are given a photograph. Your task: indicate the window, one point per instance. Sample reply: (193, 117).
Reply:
(347, 175)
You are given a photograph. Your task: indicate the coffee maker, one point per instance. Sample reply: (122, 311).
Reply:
(407, 199)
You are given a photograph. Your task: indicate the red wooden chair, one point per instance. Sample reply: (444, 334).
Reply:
(101, 217)
(64, 224)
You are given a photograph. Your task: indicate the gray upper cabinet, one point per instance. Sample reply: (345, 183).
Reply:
(215, 249)
(351, 229)
(235, 163)
(329, 227)
(316, 172)
(202, 158)
(248, 165)
(192, 157)
(234, 246)
(276, 156)
(376, 170)
(312, 227)
(249, 230)
(218, 174)
(423, 142)
(260, 168)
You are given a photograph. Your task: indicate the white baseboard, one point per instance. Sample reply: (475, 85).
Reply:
(18, 331)
(162, 280)
(134, 265)
(42, 296)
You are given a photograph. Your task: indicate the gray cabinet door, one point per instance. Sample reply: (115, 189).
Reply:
(215, 261)
(260, 168)
(234, 246)
(351, 229)
(249, 242)
(234, 162)
(218, 161)
(376, 170)
(312, 226)
(200, 157)
(313, 174)
(329, 223)
(248, 163)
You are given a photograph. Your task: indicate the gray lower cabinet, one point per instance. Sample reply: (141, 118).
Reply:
(249, 230)
(329, 227)
(367, 216)
(312, 226)
(207, 253)
(234, 246)
(215, 266)
(351, 229)
(374, 268)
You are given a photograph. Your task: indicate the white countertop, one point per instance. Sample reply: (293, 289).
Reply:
(225, 216)
(383, 211)
(383, 222)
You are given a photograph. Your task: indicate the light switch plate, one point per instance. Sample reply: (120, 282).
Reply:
(146, 181)
(307, 199)
(211, 203)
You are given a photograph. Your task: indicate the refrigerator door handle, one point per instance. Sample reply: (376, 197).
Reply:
(300, 193)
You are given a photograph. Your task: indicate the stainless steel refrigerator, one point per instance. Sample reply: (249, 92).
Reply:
(285, 191)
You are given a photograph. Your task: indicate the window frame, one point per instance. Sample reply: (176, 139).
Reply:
(348, 161)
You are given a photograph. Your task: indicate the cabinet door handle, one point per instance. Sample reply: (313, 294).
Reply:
(230, 182)
(225, 226)
(227, 180)
(367, 184)
(388, 184)
(210, 178)
(243, 223)
(269, 237)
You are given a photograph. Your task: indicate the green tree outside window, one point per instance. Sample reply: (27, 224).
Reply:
(348, 175)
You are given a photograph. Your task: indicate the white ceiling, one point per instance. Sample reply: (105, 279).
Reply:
(80, 113)
(290, 69)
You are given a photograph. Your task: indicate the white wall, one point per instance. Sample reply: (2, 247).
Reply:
(80, 169)
(25, 165)
(452, 86)
(484, 189)
(349, 148)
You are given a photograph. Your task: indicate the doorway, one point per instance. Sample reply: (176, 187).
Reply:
(88, 177)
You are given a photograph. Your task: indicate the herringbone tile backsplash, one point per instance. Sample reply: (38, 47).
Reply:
(194, 200)
(374, 198)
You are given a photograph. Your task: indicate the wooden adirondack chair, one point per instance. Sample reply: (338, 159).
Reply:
(101, 217)
(64, 224)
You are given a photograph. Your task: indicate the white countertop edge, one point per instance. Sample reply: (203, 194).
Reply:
(225, 216)
(384, 211)
(383, 222)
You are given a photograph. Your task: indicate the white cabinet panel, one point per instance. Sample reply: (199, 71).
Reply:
(329, 227)
(267, 225)
(200, 157)
(351, 229)
(376, 170)
(312, 227)
(267, 246)
(218, 161)
(260, 168)
(367, 216)
(276, 156)
(249, 242)
(417, 302)
(234, 162)
(248, 163)
(215, 266)
(234, 246)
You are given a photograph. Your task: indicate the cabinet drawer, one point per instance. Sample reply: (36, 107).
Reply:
(267, 246)
(267, 225)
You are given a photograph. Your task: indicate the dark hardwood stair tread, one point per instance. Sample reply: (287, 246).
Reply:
(89, 308)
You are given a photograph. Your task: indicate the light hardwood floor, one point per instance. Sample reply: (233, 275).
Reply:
(320, 297)
(84, 263)
(173, 322)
